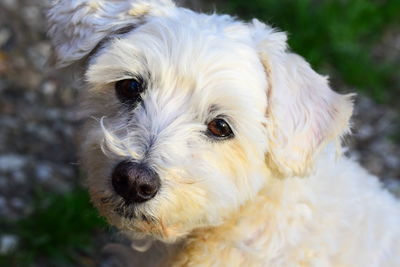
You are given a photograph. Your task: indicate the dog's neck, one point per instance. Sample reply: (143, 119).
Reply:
(276, 221)
(296, 221)
(245, 230)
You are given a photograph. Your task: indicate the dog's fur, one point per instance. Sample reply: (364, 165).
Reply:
(278, 194)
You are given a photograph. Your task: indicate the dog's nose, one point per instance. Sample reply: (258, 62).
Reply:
(135, 182)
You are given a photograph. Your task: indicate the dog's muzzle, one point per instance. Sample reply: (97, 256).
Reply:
(135, 182)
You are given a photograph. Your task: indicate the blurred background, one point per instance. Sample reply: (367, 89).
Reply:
(45, 215)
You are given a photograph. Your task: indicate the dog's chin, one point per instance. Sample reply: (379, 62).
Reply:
(145, 228)
(136, 223)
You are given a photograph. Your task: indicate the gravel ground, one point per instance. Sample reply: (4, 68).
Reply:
(37, 112)
(38, 118)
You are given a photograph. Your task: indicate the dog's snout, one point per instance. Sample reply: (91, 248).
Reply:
(135, 182)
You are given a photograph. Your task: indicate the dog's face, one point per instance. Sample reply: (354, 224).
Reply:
(189, 108)
(192, 114)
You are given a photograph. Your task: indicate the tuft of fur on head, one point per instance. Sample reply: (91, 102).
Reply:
(197, 68)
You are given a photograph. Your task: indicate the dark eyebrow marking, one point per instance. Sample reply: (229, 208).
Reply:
(108, 38)
(130, 74)
(213, 108)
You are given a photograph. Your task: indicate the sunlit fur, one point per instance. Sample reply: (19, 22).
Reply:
(277, 194)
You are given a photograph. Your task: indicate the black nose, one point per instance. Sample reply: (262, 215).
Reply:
(135, 182)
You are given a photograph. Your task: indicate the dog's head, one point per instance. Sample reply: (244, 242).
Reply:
(192, 113)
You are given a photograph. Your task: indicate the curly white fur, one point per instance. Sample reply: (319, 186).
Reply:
(77, 26)
(277, 194)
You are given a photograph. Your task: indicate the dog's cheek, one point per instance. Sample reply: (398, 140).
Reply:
(98, 167)
(190, 202)
(240, 161)
(235, 161)
(181, 207)
(96, 98)
(217, 188)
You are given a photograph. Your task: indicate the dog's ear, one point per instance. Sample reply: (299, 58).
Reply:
(303, 113)
(76, 27)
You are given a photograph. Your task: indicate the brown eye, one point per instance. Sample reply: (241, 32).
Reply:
(129, 90)
(219, 128)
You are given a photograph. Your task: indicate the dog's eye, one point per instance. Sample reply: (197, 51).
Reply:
(219, 128)
(129, 90)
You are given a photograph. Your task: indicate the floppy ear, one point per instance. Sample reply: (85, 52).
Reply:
(76, 27)
(303, 112)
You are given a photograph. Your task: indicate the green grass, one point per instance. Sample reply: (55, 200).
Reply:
(58, 233)
(337, 37)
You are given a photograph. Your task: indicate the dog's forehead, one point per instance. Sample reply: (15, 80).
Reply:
(188, 51)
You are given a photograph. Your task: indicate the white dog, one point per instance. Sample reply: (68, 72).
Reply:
(210, 134)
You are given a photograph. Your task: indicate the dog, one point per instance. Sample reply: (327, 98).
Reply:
(206, 133)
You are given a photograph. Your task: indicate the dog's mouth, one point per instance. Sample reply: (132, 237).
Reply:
(126, 209)
(139, 220)
(133, 219)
